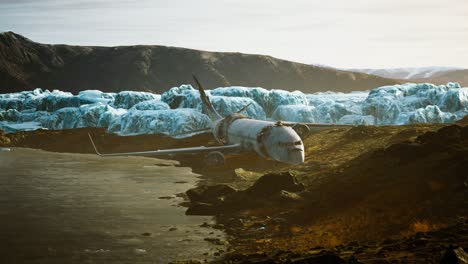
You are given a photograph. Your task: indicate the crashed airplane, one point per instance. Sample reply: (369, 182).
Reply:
(280, 141)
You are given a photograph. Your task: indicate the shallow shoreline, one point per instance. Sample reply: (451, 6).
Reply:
(336, 161)
(75, 208)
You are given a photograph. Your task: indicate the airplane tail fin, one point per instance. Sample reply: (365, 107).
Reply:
(244, 108)
(208, 108)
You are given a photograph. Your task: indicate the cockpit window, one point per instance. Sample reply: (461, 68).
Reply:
(298, 143)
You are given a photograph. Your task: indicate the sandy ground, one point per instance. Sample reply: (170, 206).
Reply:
(79, 208)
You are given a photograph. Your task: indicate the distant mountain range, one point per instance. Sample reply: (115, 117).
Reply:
(25, 64)
(435, 74)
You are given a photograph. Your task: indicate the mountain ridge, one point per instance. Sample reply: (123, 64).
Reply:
(433, 74)
(25, 64)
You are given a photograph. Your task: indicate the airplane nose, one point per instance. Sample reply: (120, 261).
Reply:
(296, 156)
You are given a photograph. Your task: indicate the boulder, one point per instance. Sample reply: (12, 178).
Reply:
(206, 194)
(273, 184)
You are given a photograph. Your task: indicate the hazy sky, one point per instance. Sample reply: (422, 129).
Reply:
(341, 33)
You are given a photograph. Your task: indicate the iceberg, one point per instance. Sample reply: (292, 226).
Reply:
(430, 114)
(392, 104)
(186, 96)
(95, 96)
(11, 127)
(227, 105)
(179, 109)
(170, 122)
(10, 115)
(259, 95)
(127, 99)
(268, 100)
(296, 113)
(155, 104)
(357, 120)
(455, 99)
(109, 116)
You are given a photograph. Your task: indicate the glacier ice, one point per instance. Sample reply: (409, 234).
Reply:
(170, 122)
(268, 100)
(127, 99)
(186, 96)
(109, 116)
(179, 109)
(95, 96)
(296, 113)
(226, 105)
(357, 120)
(155, 104)
(430, 114)
(12, 127)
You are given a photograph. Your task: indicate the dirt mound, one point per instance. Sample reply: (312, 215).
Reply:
(273, 183)
(4, 140)
(270, 189)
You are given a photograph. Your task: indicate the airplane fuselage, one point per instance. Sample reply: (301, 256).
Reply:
(268, 139)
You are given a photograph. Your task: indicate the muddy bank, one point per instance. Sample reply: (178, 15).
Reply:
(76, 208)
(363, 185)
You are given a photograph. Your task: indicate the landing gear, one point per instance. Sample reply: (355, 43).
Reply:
(214, 159)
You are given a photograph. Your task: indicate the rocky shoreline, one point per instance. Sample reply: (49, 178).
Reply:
(394, 194)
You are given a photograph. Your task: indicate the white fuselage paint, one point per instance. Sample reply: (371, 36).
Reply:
(268, 139)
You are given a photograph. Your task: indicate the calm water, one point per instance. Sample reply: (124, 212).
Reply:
(63, 208)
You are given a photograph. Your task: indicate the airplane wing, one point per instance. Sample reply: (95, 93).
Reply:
(305, 129)
(193, 150)
(321, 126)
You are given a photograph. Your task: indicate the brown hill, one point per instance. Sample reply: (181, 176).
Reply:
(25, 64)
(460, 76)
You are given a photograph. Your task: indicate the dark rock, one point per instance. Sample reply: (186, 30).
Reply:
(202, 209)
(286, 196)
(166, 197)
(454, 256)
(464, 132)
(406, 151)
(353, 260)
(146, 234)
(209, 194)
(215, 241)
(274, 183)
(205, 224)
(327, 258)
(450, 134)
(218, 226)
(445, 136)
(173, 229)
(181, 182)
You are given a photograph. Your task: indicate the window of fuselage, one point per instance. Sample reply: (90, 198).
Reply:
(298, 143)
